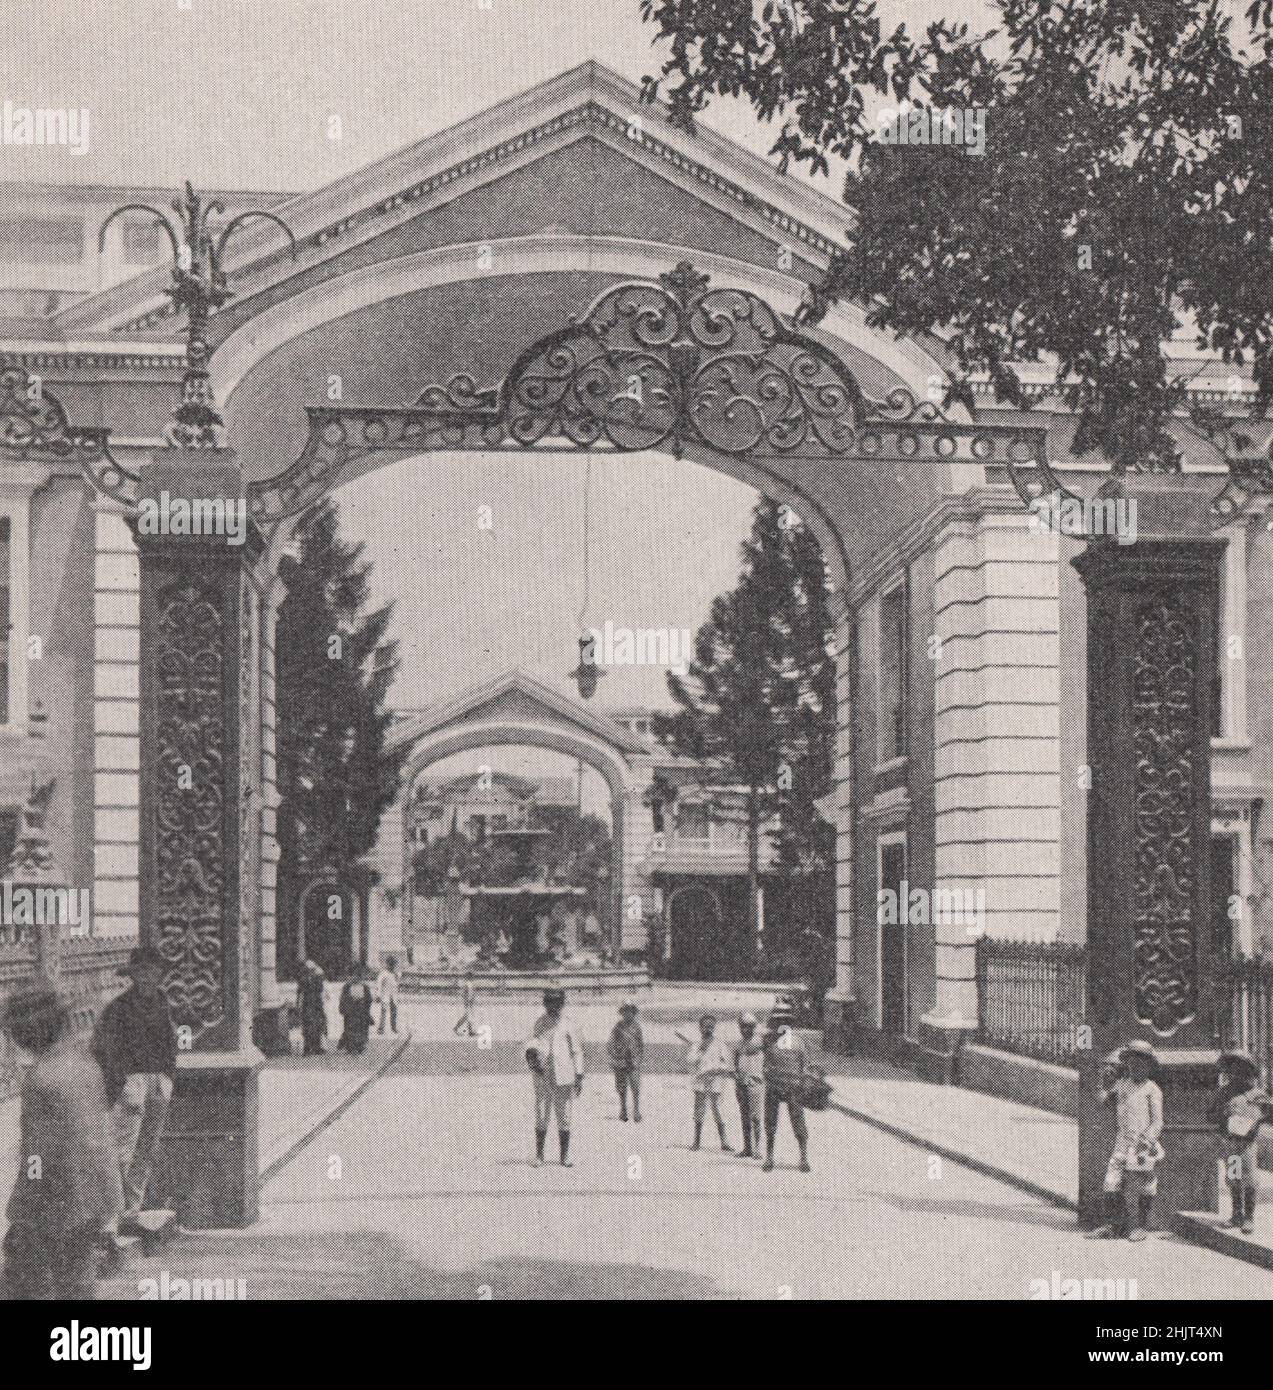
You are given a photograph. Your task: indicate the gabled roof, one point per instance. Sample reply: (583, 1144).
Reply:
(586, 100)
(500, 698)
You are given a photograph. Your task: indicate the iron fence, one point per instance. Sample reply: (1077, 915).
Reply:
(1246, 1010)
(1031, 997)
(87, 974)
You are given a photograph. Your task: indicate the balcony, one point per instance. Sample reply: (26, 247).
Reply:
(708, 854)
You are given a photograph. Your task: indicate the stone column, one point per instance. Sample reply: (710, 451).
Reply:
(838, 1002)
(198, 873)
(1150, 656)
(273, 594)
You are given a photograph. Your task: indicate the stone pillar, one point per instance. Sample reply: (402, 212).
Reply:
(267, 966)
(1150, 656)
(838, 1002)
(198, 827)
(997, 753)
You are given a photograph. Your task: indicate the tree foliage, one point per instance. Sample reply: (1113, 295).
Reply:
(757, 703)
(1125, 191)
(333, 671)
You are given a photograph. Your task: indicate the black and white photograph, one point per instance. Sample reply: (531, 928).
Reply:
(635, 660)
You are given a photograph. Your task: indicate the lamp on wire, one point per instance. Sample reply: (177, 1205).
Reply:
(588, 672)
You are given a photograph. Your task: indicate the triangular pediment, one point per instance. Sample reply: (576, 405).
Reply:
(588, 107)
(514, 698)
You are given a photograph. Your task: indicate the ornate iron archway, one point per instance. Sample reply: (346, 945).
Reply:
(674, 364)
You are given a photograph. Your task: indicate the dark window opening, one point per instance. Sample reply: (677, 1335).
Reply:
(893, 672)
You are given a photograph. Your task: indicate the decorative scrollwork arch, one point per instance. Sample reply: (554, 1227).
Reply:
(673, 364)
(34, 428)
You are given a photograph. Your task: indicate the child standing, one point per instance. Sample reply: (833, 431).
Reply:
(464, 1025)
(387, 993)
(1239, 1108)
(626, 1050)
(713, 1066)
(1131, 1180)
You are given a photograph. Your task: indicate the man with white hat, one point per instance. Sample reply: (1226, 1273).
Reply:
(554, 1054)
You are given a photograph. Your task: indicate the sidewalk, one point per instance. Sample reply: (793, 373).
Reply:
(298, 1097)
(1031, 1149)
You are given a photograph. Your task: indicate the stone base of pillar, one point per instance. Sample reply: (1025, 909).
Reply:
(1188, 1179)
(839, 1021)
(940, 1038)
(208, 1167)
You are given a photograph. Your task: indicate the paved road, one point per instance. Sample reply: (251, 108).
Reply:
(423, 1189)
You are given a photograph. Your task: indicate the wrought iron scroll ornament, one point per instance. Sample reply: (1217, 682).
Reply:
(34, 427)
(1165, 933)
(670, 364)
(190, 867)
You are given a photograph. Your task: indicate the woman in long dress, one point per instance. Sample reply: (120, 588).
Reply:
(355, 1009)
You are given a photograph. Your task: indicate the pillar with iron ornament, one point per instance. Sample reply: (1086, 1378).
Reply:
(201, 638)
(1151, 653)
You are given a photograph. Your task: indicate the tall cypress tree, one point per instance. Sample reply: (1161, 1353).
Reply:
(333, 671)
(757, 703)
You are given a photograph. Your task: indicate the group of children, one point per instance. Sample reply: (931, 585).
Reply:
(766, 1070)
(1238, 1109)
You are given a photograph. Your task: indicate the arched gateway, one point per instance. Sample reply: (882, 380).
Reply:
(567, 272)
(517, 711)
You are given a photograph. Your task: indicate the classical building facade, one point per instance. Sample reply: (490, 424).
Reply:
(960, 634)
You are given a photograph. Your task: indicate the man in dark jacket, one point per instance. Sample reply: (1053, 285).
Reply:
(136, 1046)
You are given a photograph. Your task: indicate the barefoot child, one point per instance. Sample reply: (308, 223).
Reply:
(464, 1025)
(713, 1066)
(1131, 1180)
(1239, 1108)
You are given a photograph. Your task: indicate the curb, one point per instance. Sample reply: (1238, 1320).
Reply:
(1202, 1228)
(976, 1165)
(333, 1114)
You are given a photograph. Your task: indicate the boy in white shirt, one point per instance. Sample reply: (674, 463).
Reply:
(712, 1062)
(1131, 1180)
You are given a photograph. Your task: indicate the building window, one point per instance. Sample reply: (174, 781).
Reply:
(692, 822)
(893, 673)
(6, 620)
(1226, 900)
(10, 818)
(41, 241)
(1228, 679)
(141, 243)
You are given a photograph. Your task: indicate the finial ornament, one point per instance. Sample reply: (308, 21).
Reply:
(199, 287)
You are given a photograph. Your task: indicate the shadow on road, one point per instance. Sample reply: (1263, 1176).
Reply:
(364, 1266)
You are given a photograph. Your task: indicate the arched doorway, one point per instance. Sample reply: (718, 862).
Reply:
(516, 711)
(702, 943)
(326, 928)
